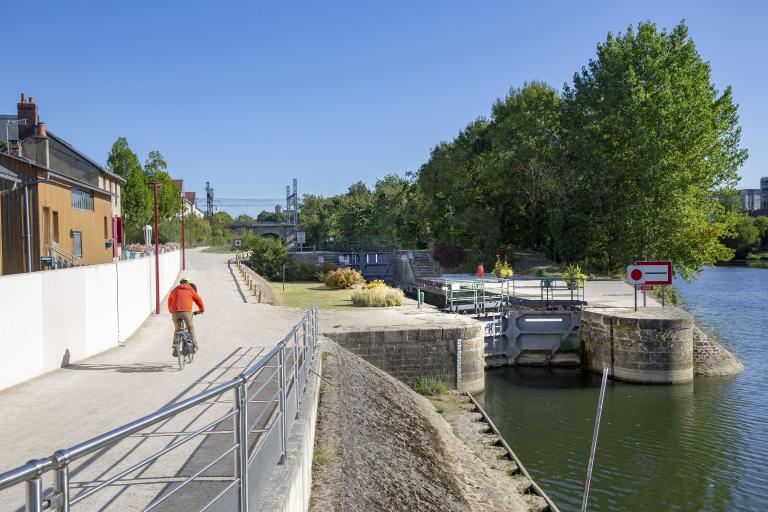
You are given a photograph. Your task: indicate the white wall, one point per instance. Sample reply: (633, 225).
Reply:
(50, 318)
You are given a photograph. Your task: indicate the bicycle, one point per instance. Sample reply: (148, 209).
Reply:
(184, 346)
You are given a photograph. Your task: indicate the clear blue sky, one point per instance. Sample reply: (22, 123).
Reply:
(251, 94)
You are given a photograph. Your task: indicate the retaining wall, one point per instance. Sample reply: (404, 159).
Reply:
(652, 345)
(49, 319)
(408, 353)
(255, 284)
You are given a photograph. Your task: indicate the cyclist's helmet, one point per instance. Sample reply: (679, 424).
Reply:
(184, 280)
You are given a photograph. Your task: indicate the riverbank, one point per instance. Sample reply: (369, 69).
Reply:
(381, 446)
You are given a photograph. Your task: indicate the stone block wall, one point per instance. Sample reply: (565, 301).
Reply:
(408, 353)
(712, 359)
(652, 345)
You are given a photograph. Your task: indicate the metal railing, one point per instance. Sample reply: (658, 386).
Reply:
(266, 403)
(57, 252)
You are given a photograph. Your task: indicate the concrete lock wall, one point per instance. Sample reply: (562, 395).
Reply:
(410, 353)
(652, 345)
(49, 319)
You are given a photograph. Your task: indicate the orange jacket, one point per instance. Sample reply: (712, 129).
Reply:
(182, 297)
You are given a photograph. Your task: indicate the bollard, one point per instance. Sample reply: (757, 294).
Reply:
(259, 296)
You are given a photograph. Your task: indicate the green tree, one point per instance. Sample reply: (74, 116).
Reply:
(652, 142)
(761, 223)
(268, 256)
(267, 216)
(315, 218)
(168, 195)
(136, 197)
(244, 219)
(747, 237)
(520, 172)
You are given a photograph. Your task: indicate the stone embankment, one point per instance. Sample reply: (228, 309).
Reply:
(712, 359)
(380, 446)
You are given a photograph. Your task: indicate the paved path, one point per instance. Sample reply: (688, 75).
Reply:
(93, 396)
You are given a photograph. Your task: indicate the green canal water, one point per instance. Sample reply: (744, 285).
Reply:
(702, 446)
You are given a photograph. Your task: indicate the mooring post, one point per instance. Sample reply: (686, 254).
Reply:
(594, 440)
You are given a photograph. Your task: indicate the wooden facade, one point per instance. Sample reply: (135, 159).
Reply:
(53, 219)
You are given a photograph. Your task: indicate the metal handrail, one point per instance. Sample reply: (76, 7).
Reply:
(53, 247)
(60, 462)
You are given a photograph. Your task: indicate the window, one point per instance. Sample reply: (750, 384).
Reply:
(82, 200)
(106, 229)
(56, 227)
(77, 244)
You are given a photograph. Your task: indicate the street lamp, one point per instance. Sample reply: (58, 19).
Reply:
(155, 185)
(183, 253)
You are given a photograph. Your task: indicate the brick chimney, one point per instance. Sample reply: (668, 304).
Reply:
(27, 109)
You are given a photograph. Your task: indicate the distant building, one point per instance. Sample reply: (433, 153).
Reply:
(57, 206)
(753, 199)
(189, 199)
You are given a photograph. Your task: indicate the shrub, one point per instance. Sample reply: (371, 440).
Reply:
(377, 297)
(268, 255)
(574, 275)
(448, 256)
(502, 268)
(430, 385)
(375, 283)
(301, 271)
(342, 278)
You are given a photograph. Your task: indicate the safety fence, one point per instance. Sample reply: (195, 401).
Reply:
(228, 449)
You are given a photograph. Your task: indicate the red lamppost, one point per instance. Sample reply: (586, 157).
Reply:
(155, 186)
(183, 253)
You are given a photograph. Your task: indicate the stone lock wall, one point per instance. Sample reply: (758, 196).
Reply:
(409, 353)
(651, 345)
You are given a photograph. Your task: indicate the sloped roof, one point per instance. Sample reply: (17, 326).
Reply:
(78, 155)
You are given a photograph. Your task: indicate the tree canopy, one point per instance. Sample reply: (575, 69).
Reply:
(629, 161)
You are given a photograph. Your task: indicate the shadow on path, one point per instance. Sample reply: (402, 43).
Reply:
(167, 471)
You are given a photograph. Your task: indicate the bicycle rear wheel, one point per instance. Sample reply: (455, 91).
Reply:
(180, 355)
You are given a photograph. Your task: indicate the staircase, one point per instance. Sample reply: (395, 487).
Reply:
(424, 266)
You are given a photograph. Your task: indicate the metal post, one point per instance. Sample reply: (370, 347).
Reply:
(61, 483)
(241, 438)
(34, 495)
(183, 251)
(28, 226)
(155, 185)
(308, 322)
(635, 297)
(594, 440)
(644, 303)
(663, 295)
(283, 424)
(296, 369)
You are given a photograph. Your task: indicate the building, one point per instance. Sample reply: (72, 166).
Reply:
(58, 207)
(753, 199)
(189, 200)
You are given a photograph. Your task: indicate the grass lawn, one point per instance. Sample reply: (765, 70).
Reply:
(302, 295)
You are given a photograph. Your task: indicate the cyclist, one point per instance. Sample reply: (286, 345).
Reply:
(180, 304)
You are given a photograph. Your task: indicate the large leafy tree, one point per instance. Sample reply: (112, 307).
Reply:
(136, 197)
(652, 142)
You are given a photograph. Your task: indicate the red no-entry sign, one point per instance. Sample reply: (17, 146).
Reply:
(650, 272)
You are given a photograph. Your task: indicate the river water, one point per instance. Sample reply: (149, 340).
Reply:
(702, 446)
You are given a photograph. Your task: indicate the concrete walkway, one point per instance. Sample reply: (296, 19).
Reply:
(93, 396)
